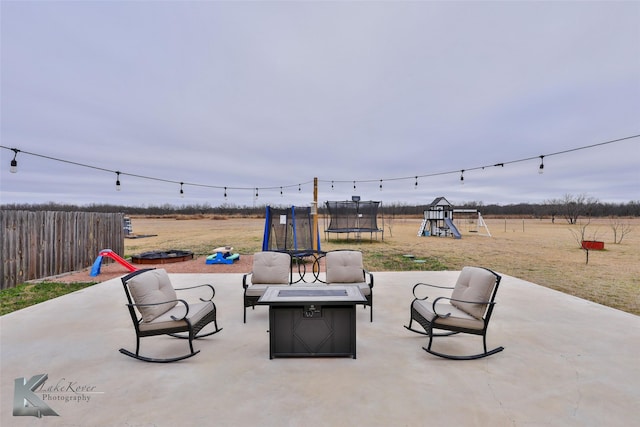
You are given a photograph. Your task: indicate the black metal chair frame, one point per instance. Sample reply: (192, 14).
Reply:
(429, 326)
(178, 331)
(251, 300)
(365, 273)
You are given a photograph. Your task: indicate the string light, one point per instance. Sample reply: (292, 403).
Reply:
(256, 192)
(415, 186)
(14, 162)
(14, 167)
(181, 190)
(280, 191)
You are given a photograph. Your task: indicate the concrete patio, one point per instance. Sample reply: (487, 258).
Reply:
(567, 362)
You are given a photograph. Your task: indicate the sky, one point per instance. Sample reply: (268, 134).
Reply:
(389, 101)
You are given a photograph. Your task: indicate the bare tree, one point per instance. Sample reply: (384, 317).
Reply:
(579, 234)
(389, 221)
(572, 207)
(620, 229)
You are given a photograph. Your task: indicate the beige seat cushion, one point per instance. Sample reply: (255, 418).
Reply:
(473, 284)
(271, 268)
(196, 312)
(152, 287)
(258, 290)
(457, 318)
(344, 267)
(363, 286)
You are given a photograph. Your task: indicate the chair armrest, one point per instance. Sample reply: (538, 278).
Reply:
(429, 285)
(165, 302)
(471, 302)
(244, 279)
(367, 272)
(433, 306)
(206, 285)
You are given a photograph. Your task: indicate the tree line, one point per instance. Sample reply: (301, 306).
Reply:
(569, 207)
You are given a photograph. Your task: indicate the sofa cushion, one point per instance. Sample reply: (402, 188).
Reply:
(344, 267)
(271, 268)
(152, 287)
(474, 284)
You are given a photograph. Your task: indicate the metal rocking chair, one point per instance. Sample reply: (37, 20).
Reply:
(151, 295)
(468, 310)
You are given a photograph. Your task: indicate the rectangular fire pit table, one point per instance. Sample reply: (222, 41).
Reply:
(312, 321)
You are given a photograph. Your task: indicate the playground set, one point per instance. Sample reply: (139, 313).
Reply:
(438, 220)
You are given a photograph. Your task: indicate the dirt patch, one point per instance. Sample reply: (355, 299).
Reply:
(110, 270)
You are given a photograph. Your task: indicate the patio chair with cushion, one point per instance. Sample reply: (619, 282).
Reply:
(468, 310)
(270, 268)
(345, 267)
(156, 310)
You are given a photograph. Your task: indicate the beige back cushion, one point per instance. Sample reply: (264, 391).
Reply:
(344, 267)
(474, 284)
(152, 287)
(271, 268)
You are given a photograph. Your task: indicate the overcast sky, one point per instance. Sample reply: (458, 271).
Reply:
(270, 94)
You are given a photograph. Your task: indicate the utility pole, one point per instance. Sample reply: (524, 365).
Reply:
(314, 215)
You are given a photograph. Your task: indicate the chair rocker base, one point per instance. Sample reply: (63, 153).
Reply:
(186, 337)
(154, 360)
(471, 357)
(428, 331)
(446, 334)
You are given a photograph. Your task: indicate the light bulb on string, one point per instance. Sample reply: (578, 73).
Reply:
(541, 167)
(280, 191)
(380, 185)
(225, 193)
(415, 186)
(117, 181)
(14, 162)
(181, 190)
(462, 177)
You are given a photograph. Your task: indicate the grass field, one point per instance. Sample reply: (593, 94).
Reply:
(535, 250)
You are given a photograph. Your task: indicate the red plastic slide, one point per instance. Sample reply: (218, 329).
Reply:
(95, 270)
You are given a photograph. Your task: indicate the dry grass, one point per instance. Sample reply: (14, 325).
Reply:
(534, 250)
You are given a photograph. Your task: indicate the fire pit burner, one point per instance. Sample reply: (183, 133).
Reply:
(162, 257)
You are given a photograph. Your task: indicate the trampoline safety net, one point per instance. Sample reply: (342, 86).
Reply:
(353, 217)
(289, 230)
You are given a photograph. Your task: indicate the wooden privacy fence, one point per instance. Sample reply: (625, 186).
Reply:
(34, 245)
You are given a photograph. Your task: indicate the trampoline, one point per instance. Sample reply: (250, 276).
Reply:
(289, 230)
(353, 216)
